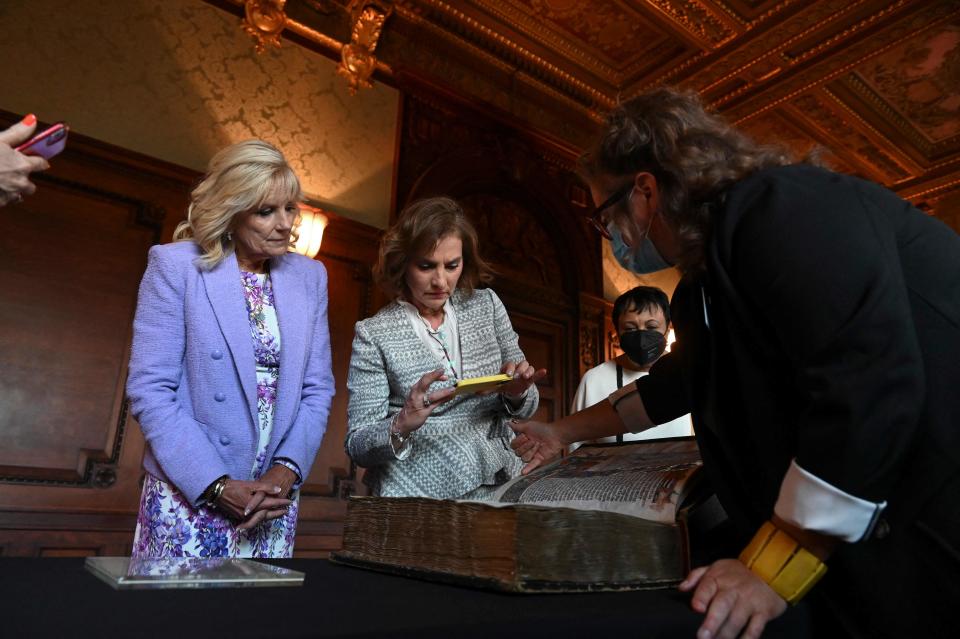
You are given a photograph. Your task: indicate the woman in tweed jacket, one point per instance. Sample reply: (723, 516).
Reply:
(405, 426)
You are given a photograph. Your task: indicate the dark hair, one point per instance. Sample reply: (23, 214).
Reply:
(693, 154)
(641, 298)
(421, 226)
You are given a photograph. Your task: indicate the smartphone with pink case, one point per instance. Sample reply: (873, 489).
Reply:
(47, 143)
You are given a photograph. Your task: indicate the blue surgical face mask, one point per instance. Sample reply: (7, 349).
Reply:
(642, 260)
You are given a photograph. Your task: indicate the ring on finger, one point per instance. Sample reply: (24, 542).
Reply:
(426, 401)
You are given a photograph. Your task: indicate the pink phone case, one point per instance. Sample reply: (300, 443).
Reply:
(47, 143)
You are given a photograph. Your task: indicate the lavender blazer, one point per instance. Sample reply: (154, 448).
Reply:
(192, 383)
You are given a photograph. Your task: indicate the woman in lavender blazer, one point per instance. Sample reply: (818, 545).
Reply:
(230, 374)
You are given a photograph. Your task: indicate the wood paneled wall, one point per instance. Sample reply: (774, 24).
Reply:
(72, 256)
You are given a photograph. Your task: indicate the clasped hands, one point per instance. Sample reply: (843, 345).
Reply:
(421, 402)
(253, 502)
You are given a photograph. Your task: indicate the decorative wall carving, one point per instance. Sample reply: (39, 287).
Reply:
(588, 346)
(357, 61)
(513, 240)
(264, 20)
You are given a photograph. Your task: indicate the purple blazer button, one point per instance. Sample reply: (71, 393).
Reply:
(219, 397)
(218, 354)
(224, 440)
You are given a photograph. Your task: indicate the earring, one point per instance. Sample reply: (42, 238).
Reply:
(229, 236)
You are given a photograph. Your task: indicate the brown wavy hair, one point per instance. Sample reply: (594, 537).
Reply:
(693, 154)
(421, 226)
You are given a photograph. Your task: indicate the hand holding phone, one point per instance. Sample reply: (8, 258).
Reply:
(479, 384)
(16, 167)
(47, 143)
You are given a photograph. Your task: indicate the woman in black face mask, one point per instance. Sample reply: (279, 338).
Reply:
(818, 350)
(641, 317)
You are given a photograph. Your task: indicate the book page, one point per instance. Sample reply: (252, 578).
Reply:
(648, 479)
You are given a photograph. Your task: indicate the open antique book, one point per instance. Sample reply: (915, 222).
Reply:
(606, 517)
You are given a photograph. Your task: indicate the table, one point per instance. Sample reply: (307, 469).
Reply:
(59, 598)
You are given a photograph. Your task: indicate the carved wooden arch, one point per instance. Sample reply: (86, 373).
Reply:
(515, 181)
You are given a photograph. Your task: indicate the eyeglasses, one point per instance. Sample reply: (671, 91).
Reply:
(596, 218)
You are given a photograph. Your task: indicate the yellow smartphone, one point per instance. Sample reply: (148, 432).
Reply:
(477, 384)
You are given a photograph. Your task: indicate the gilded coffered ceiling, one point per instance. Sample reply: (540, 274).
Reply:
(873, 84)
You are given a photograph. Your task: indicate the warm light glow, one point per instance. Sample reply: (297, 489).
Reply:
(310, 230)
(671, 338)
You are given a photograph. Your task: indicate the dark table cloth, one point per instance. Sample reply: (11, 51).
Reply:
(59, 598)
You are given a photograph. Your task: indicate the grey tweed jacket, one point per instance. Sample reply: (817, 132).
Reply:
(465, 443)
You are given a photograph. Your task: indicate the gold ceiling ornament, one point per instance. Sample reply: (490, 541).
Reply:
(357, 61)
(264, 21)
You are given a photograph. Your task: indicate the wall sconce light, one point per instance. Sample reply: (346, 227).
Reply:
(310, 230)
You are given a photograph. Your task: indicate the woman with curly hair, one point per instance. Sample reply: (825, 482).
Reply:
(818, 336)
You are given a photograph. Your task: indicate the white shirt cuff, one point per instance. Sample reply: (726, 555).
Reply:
(810, 503)
(626, 401)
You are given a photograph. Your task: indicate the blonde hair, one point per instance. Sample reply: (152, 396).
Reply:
(239, 179)
(421, 226)
(693, 154)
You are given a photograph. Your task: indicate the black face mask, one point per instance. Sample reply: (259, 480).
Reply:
(643, 347)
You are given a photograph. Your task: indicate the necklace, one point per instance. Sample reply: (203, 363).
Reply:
(439, 335)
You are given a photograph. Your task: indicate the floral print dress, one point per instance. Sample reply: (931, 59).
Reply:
(167, 525)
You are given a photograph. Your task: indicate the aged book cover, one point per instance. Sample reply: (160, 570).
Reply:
(606, 517)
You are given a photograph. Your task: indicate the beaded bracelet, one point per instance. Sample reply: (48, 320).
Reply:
(788, 568)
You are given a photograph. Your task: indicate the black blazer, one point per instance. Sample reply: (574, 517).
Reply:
(834, 337)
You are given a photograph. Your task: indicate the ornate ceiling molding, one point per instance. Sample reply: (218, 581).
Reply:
(708, 28)
(772, 47)
(703, 59)
(824, 66)
(815, 109)
(444, 19)
(829, 68)
(856, 86)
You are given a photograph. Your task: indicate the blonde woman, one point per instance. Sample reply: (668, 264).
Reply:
(230, 374)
